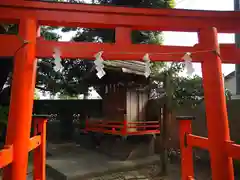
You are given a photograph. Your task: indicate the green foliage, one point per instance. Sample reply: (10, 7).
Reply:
(48, 33)
(237, 162)
(187, 89)
(182, 89)
(228, 94)
(64, 96)
(8, 29)
(3, 118)
(36, 95)
(4, 114)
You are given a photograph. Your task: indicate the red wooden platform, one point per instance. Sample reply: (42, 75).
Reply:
(123, 128)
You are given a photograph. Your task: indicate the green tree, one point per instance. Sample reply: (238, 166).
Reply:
(36, 95)
(3, 122)
(64, 96)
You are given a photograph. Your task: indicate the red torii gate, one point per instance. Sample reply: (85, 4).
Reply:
(30, 14)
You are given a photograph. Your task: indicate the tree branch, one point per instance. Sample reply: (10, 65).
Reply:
(41, 88)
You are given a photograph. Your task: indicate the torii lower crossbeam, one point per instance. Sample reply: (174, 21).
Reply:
(30, 14)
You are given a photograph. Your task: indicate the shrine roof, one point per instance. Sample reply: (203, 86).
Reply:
(131, 67)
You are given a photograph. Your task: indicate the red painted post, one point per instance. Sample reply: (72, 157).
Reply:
(124, 129)
(123, 36)
(86, 125)
(186, 151)
(22, 93)
(216, 110)
(39, 154)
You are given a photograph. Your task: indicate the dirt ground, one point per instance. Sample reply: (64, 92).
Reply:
(65, 153)
(151, 172)
(148, 173)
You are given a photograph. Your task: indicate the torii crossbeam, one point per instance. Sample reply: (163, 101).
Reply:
(30, 14)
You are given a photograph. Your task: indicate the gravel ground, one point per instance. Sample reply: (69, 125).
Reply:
(151, 172)
(146, 173)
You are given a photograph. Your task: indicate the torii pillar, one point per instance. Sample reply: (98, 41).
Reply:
(215, 103)
(21, 103)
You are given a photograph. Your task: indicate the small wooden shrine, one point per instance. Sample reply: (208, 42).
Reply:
(124, 90)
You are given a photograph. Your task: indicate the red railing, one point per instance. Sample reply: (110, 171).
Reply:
(188, 140)
(122, 128)
(36, 143)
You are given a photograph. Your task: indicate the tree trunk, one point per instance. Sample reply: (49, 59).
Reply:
(164, 124)
(163, 139)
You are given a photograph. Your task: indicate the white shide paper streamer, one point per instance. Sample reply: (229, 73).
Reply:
(147, 61)
(188, 63)
(57, 59)
(99, 64)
